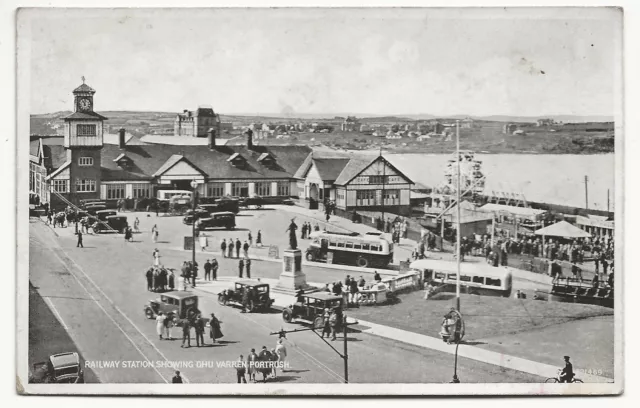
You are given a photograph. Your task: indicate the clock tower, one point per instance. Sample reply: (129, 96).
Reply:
(83, 140)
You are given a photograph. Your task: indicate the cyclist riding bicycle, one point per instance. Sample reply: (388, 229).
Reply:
(566, 375)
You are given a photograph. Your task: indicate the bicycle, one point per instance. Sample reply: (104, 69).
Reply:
(556, 379)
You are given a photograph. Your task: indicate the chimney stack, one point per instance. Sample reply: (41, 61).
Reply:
(211, 136)
(121, 139)
(249, 133)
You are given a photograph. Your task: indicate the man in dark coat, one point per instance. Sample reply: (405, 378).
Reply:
(79, 244)
(194, 273)
(223, 248)
(199, 326)
(207, 270)
(214, 269)
(231, 248)
(247, 264)
(240, 268)
(172, 281)
(177, 379)
(149, 276)
(186, 333)
(238, 247)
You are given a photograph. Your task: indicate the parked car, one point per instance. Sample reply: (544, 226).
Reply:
(64, 368)
(116, 223)
(183, 305)
(311, 309)
(218, 220)
(93, 209)
(199, 213)
(259, 298)
(103, 214)
(91, 201)
(228, 204)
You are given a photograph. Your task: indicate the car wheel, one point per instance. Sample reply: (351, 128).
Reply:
(287, 315)
(310, 257)
(222, 299)
(149, 313)
(318, 323)
(362, 262)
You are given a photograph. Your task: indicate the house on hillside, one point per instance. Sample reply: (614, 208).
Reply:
(350, 124)
(545, 122)
(196, 123)
(466, 123)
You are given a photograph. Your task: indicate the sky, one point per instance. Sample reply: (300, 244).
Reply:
(372, 61)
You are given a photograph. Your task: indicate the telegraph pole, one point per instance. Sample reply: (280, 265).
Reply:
(383, 182)
(608, 200)
(458, 251)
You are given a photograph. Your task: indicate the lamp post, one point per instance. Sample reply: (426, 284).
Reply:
(194, 185)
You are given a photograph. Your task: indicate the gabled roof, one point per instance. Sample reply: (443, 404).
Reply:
(55, 173)
(85, 115)
(172, 161)
(330, 169)
(358, 165)
(122, 156)
(264, 156)
(148, 159)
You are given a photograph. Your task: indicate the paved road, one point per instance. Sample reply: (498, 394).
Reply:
(111, 325)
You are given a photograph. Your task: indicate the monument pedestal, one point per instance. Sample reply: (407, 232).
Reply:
(292, 278)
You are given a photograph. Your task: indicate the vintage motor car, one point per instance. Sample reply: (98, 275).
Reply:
(103, 214)
(310, 308)
(218, 220)
(199, 213)
(111, 223)
(258, 300)
(64, 368)
(183, 305)
(228, 204)
(93, 209)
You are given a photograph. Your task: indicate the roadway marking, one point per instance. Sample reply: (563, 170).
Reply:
(55, 252)
(55, 312)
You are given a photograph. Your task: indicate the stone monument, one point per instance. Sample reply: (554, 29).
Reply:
(292, 278)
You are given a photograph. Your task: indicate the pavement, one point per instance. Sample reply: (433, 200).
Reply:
(467, 351)
(99, 292)
(109, 273)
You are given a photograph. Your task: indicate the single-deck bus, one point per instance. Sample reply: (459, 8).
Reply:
(475, 278)
(366, 251)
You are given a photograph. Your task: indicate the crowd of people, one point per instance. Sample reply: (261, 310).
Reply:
(165, 323)
(351, 288)
(160, 279)
(266, 363)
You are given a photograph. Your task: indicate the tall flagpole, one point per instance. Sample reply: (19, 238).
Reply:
(458, 218)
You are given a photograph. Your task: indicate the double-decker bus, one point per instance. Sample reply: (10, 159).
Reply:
(371, 250)
(475, 278)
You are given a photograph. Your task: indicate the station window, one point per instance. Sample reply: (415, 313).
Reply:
(86, 130)
(141, 190)
(263, 188)
(61, 186)
(115, 191)
(215, 189)
(284, 188)
(85, 186)
(85, 161)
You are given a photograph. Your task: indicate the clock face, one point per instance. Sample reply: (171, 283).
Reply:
(85, 104)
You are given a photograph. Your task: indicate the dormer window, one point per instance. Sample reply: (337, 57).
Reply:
(236, 160)
(267, 160)
(123, 162)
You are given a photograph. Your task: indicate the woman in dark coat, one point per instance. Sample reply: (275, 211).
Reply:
(214, 328)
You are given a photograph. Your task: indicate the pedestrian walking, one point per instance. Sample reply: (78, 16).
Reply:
(136, 225)
(156, 257)
(245, 248)
(186, 333)
(241, 369)
(237, 246)
(281, 352)
(214, 269)
(168, 325)
(177, 379)
(207, 270)
(247, 264)
(49, 218)
(259, 239)
(203, 242)
(250, 238)
(223, 248)
(79, 244)
(199, 326)
(240, 267)
(156, 234)
(231, 248)
(149, 276)
(194, 274)
(160, 324)
(215, 331)
(303, 231)
(252, 358)
(333, 322)
(326, 327)
(172, 280)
